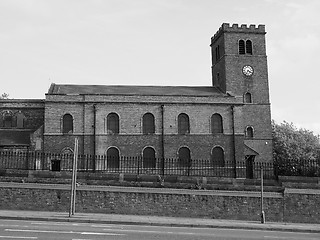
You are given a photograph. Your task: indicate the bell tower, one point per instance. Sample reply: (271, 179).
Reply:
(239, 68)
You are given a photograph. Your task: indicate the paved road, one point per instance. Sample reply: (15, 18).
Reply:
(20, 229)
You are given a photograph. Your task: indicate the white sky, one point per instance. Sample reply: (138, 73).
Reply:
(157, 42)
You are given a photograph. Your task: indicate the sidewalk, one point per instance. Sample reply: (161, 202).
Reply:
(155, 220)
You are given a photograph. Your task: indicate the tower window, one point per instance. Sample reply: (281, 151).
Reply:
(247, 97)
(249, 47)
(217, 53)
(148, 123)
(218, 80)
(113, 123)
(216, 123)
(245, 47)
(241, 47)
(67, 123)
(183, 124)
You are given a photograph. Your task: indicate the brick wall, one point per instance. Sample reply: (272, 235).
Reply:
(130, 141)
(33, 110)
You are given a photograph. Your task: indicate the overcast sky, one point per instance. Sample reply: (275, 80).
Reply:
(157, 42)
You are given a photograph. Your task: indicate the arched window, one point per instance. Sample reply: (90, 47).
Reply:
(248, 47)
(183, 124)
(149, 158)
(113, 158)
(184, 157)
(249, 132)
(113, 123)
(245, 47)
(218, 80)
(241, 47)
(217, 53)
(247, 97)
(66, 159)
(67, 123)
(217, 157)
(148, 123)
(216, 123)
(7, 119)
(20, 120)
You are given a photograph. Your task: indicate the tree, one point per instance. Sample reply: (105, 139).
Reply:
(295, 151)
(4, 96)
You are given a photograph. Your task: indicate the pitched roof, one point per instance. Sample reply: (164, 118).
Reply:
(14, 137)
(134, 90)
(250, 151)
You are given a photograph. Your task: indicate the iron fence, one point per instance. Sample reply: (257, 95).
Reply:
(305, 168)
(136, 165)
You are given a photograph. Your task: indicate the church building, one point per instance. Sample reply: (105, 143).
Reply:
(228, 121)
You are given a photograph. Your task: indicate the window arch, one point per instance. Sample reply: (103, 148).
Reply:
(241, 47)
(149, 157)
(113, 123)
(113, 158)
(216, 123)
(249, 132)
(217, 157)
(247, 97)
(184, 157)
(67, 123)
(148, 123)
(67, 150)
(248, 47)
(183, 124)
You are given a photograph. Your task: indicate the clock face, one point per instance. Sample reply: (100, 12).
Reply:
(247, 70)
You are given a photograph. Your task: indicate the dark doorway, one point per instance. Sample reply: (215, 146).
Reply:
(113, 158)
(249, 166)
(55, 165)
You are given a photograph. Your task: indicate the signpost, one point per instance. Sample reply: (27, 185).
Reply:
(74, 179)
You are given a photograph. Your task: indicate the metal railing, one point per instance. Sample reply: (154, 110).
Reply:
(304, 168)
(135, 165)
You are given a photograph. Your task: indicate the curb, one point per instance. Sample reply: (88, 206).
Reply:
(240, 226)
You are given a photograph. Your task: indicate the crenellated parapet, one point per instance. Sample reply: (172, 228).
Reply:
(243, 28)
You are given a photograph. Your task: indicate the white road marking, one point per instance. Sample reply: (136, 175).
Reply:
(148, 231)
(63, 232)
(276, 237)
(45, 223)
(17, 237)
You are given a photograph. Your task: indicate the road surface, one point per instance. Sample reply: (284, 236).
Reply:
(19, 229)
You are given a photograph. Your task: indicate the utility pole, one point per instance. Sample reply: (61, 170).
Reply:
(263, 217)
(74, 179)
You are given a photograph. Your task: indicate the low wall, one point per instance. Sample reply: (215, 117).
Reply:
(134, 180)
(294, 205)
